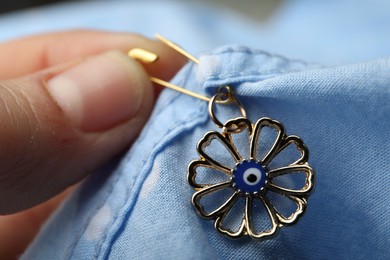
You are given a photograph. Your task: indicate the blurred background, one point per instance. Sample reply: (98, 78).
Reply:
(326, 32)
(9, 6)
(250, 7)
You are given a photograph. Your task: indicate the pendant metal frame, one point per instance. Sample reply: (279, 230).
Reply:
(230, 128)
(225, 96)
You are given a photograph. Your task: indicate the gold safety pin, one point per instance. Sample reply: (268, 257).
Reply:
(177, 48)
(149, 57)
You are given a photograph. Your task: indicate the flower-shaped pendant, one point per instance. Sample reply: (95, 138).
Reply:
(251, 179)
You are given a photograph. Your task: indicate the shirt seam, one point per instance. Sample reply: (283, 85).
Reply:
(73, 246)
(139, 179)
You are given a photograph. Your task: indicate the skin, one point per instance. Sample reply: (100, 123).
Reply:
(57, 150)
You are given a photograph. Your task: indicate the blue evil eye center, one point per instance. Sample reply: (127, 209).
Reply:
(249, 176)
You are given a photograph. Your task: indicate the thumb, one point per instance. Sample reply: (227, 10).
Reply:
(58, 125)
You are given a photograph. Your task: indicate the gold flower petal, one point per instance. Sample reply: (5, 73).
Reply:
(206, 141)
(260, 124)
(294, 217)
(238, 131)
(208, 190)
(249, 222)
(192, 173)
(305, 191)
(299, 145)
(218, 224)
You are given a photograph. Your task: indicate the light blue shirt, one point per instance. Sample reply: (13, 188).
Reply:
(141, 208)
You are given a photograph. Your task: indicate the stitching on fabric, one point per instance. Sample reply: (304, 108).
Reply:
(268, 73)
(147, 166)
(245, 50)
(97, 208)
(132, 182)
(158, 148)
(109, 191)
(288, 67)
(211, 82)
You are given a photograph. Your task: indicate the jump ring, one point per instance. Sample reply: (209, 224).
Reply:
(230, 97)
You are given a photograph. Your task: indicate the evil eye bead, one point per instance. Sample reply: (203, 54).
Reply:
(249, 176)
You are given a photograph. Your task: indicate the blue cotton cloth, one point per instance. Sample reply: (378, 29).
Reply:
(142, 209)
(326, 32)
(138, 207)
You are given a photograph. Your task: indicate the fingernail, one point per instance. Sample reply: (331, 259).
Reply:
(101, 92)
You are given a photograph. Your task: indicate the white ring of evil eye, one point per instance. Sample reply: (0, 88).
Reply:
(249, 176)
(252, 176)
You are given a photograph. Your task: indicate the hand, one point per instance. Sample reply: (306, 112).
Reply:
(68, 103)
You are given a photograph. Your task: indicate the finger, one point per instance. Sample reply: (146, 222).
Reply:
(53, 132)
(18, 230)
(38, 52)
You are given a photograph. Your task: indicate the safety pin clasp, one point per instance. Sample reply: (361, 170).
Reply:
(145, 56)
